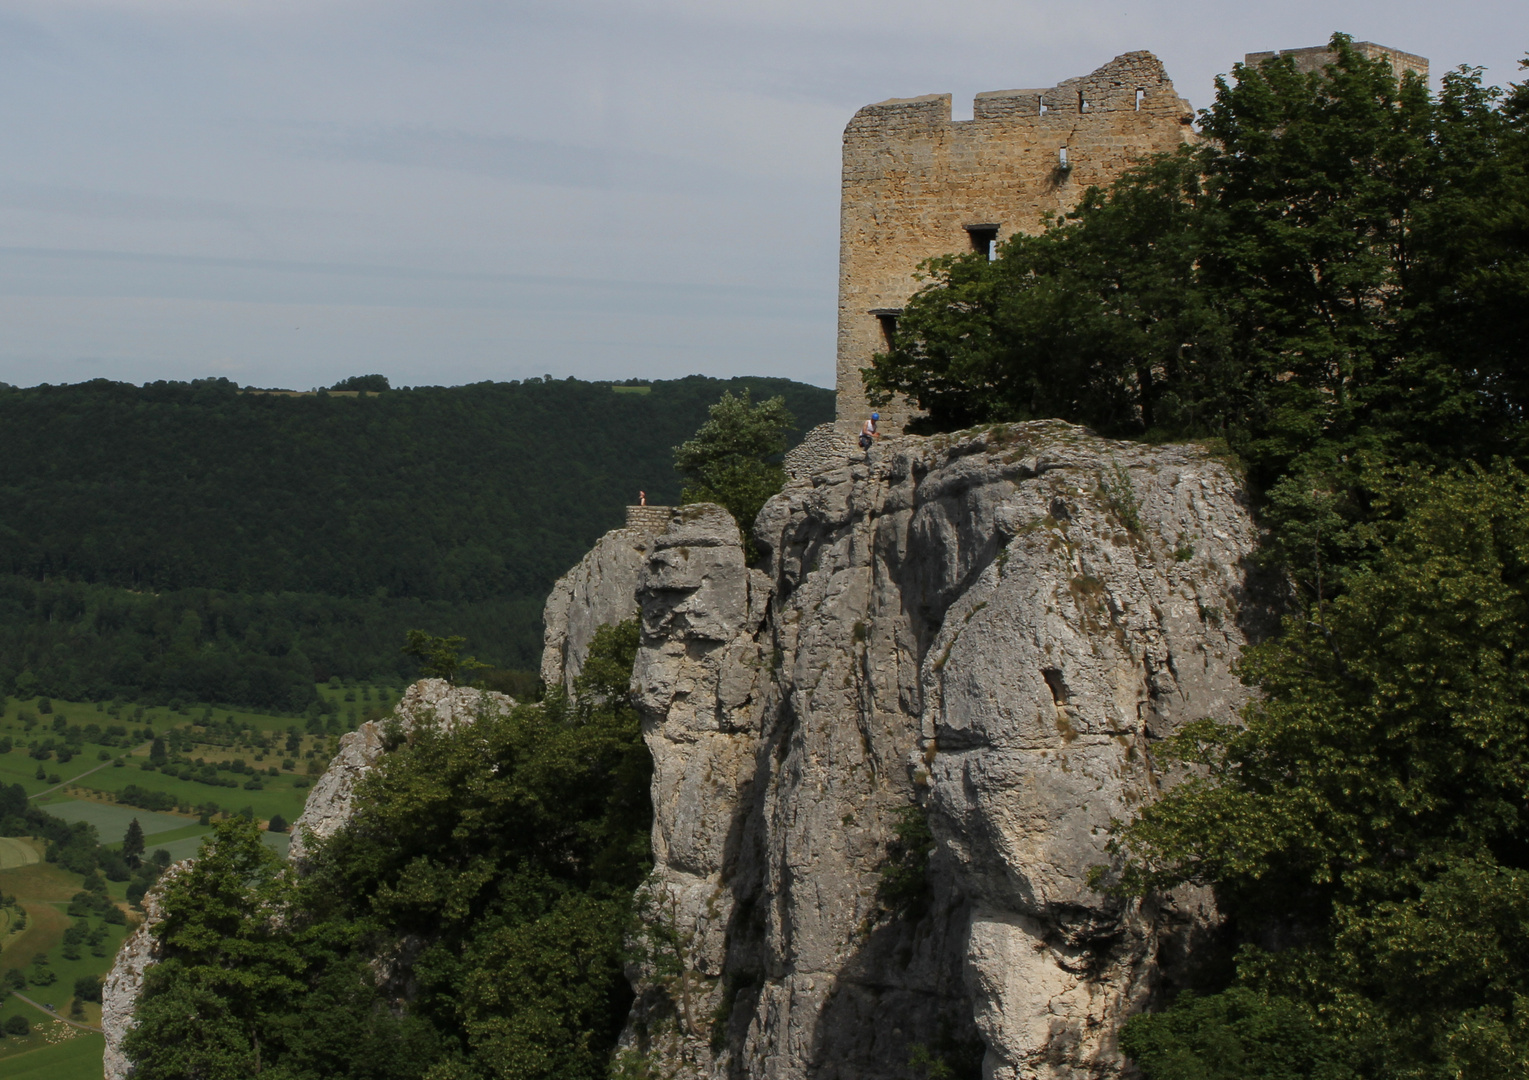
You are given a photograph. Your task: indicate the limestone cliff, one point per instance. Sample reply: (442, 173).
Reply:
(599, 590)
(995, 626)
(123, 984)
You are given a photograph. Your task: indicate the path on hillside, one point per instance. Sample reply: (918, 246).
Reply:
(54, 1016)
(87, 772)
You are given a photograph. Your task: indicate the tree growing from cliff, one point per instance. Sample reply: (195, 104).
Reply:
(439, 657)
(1366, 828)
(734, 459)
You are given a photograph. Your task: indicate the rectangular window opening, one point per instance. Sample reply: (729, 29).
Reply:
(1082, 102)
(1062, 162)
(1139, 95)
(984, 238)
(1043, 105)
(888, 319)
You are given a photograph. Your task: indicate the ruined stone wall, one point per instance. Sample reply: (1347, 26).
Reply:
(914, 179)
(1317, 57)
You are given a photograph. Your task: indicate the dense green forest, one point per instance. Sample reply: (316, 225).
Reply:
(189, 540)
(1333, 286)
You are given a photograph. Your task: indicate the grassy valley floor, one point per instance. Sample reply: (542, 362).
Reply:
(107, 746)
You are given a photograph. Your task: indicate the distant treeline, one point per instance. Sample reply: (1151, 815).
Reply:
(187, 540)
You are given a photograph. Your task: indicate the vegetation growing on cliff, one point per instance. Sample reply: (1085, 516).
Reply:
(734, 460)
(490, 866)
(1336, 283)
(1367, 831)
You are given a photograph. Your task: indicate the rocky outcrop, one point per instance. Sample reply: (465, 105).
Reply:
(329, 806)
(123, 984)
(433, 702)
(598, 591)
(994, 627)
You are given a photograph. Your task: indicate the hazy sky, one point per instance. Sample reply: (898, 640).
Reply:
(286, 192)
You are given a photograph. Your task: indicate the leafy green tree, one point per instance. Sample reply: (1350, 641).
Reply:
(1337, 272)
(734, 459)
(132, 844)
(226, 965)
(371, 383)
(1369, 815)
(439, 657)
(504, 852)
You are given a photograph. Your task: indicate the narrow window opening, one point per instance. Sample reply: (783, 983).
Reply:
(1082, 102)
(1139, 95)
(888, 319)
(1043, 105)
(984, 238)
(1062, 162)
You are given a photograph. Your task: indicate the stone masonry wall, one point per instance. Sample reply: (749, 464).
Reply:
(1318, 56)
(821, 449)
(914, 179)
(650, 520)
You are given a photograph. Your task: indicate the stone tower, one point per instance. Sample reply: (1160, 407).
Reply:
(917, 184)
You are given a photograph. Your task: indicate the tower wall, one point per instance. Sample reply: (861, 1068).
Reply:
(914, 180)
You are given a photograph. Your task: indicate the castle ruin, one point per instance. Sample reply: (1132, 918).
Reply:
(917, 184)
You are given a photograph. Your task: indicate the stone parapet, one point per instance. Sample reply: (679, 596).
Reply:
(648, 519)
(1317, 57)
(821, 449)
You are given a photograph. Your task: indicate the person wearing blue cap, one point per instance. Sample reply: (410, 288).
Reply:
(868, 432)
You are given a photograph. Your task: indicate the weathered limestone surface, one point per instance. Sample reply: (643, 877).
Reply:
(996, 625)
(914, 180)
(331, 802)
(599, 590)
(123, 984)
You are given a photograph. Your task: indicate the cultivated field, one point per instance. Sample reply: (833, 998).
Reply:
(43, 891)
(77, 761)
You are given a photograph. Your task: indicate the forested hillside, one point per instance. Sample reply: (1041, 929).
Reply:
(192, 540)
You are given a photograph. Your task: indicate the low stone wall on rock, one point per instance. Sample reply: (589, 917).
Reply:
(648, 519)
(821, 449)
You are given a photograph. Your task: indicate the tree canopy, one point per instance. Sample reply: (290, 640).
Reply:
(466, 923)
(194, 541)
(735, 458)
(1339, 269)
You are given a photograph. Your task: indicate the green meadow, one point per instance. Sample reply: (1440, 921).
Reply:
(33, 940)
(84, 760)
(79, 760)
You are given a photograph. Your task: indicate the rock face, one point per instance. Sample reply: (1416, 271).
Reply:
(123, 984)
(994, 627)
(599, 590)
(429, 701)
